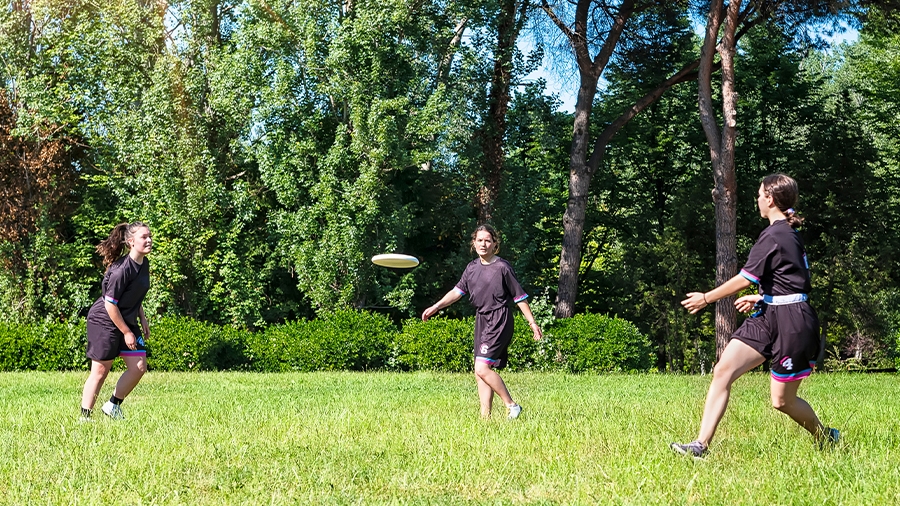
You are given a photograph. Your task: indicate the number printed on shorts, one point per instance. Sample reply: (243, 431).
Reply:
(787, 363)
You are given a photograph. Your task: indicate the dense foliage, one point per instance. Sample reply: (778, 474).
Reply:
(274, 146)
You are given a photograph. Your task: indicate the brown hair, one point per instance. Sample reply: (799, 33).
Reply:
(112, 247)
(784, 192)
(495, 236)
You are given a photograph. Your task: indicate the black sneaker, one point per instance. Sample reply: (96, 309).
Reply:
(695, 449)
(831, 439)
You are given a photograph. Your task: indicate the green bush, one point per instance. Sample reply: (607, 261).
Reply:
(440, 344)
(526, 354)
(599, 343)
(343, 340)
(184, 344)
(42, 346)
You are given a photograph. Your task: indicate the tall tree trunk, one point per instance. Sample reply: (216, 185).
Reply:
(509, 24)
(580, 172)
(576, 207)
(721, 152)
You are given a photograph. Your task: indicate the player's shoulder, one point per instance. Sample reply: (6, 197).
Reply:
(504, 265)
(780, 233)
(119, 264)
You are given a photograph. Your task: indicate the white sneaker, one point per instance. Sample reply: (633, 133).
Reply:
(114, 411)
(514, 411)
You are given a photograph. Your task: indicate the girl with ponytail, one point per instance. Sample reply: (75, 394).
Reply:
(116, 324)
(783, 330)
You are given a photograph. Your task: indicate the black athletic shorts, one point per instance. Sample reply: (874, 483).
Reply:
(493, 333)
(787, 335)
(105, 344)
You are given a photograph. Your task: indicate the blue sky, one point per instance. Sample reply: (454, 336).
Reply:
(566, 86)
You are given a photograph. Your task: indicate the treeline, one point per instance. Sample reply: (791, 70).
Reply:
(273, 147)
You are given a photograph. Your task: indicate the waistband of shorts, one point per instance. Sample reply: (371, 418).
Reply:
(781, 300)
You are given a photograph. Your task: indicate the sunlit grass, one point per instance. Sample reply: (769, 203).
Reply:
(193, 438)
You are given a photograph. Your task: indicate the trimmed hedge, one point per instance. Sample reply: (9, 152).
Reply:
(440, 344)
(184, 344)
(344, 340)
(43, 346)
(599, 343)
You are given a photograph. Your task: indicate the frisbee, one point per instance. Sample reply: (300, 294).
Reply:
(395, 260)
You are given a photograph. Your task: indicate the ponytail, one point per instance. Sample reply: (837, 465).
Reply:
(111, 248)
(792, 219)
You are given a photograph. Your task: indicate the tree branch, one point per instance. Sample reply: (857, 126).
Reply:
(686, 74)
(558, 22)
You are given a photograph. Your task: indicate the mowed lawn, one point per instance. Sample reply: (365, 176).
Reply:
(416, 438)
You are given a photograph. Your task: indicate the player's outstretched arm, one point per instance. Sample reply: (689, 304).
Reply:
(451, 297)
(526, 312)
(696, 301)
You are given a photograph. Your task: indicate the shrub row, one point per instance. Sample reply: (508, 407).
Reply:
(344, 340)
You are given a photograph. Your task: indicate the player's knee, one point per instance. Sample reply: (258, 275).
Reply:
(482, 368)
(141, 366)
(100, 371)
(722, 372)
(781, 403)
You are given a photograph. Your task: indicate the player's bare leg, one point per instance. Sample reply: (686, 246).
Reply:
(784, 399)
(737, 359)
(488, 376)
(99, 372)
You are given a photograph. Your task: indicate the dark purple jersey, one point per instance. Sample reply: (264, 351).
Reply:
(777, 262)
(125, 284)
(490, 287)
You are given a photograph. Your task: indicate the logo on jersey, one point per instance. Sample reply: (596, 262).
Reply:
(787, 363)
(484, 348)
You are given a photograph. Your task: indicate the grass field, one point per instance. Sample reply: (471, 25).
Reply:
(355, 438)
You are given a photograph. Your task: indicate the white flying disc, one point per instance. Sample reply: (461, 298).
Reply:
(395, 260)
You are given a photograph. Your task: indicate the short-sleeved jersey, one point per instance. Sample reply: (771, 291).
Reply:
(777, 262)
(125, 284)
(490, 287)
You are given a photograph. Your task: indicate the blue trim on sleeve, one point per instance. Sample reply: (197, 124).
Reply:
(459, 290)
(111, 300)
(750, 277)
(520, 299)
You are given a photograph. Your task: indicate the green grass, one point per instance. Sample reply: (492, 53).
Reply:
(341, 438)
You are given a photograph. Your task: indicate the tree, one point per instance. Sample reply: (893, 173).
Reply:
(721, 151)
(583, 165)
(511, 18)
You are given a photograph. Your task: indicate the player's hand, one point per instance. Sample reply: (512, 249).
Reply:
(745, 304)
(130, 340)
(538, 335)
(431, 311)
(694, 302)
(146, 333)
